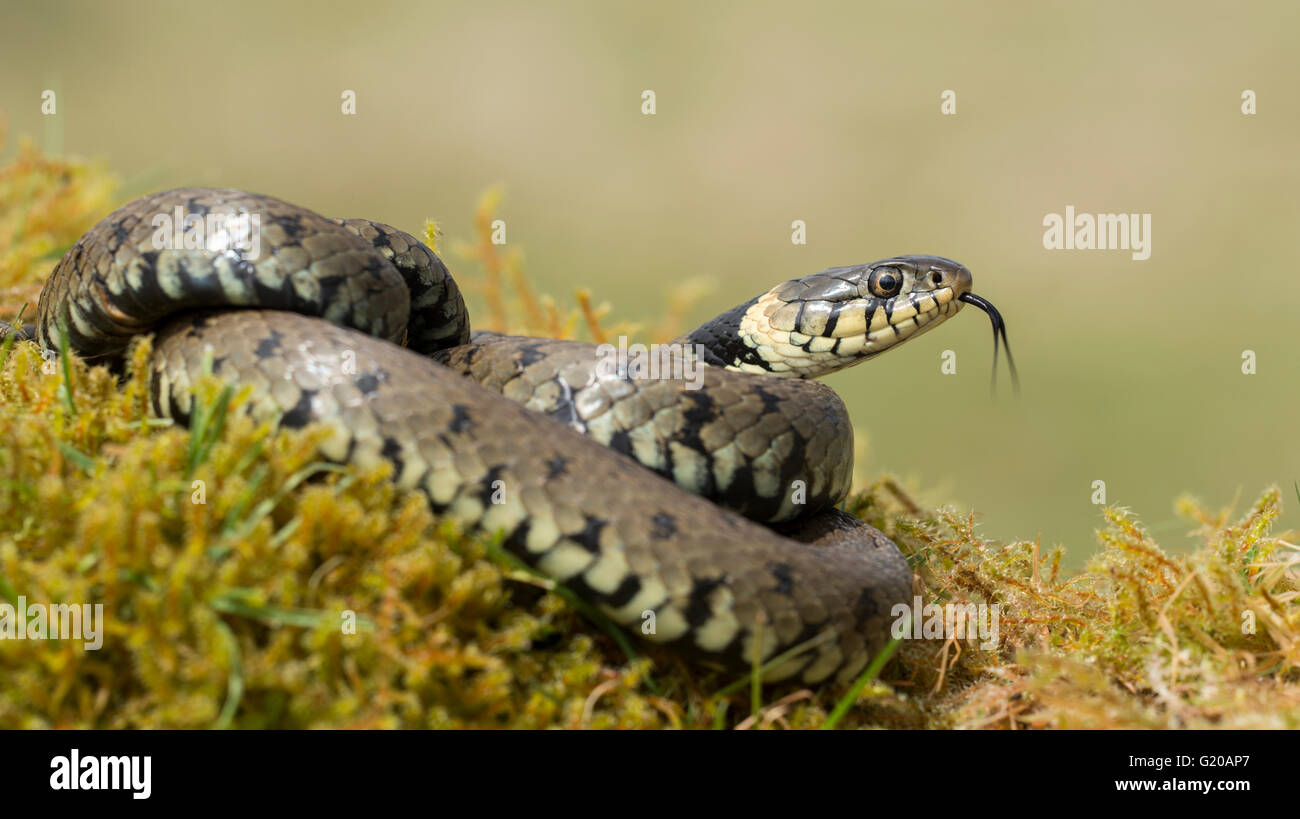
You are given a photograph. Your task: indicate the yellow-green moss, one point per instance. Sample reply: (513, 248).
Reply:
(229, 612)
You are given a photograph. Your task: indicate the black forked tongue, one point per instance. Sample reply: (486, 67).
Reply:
(999, 332)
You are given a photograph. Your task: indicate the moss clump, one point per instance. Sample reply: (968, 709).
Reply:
(1139, 639)
(228, 575)
(246, 584)
(45, 204)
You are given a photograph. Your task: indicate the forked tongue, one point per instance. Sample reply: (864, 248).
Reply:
(999, 332)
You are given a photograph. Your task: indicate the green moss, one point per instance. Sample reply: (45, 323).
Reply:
(231, 611)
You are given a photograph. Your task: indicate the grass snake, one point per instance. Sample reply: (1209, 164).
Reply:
(358, 326)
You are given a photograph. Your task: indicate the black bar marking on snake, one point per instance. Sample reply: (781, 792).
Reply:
(300, 414)
(155, 393)
(700, 608)
(557, 466)
(867, 608)
(771, 403)
(148, 290)
(392, 450)
(329, 288)
(589, 537)
(269, 346)
(565, 412)
(784, 575)
(461, 420)
(665, 526)
(491, 485)
(530, 354)
(625, 593)
(621, 442)
(700, 411)
(119, 236)
(516, 543)
(194, 206)
(291, 225)
(832, 320)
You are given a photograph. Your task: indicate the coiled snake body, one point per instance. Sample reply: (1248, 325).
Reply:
(313, 320)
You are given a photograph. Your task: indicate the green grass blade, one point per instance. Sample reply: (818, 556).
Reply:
(80, 459)
(869, 673)
(66, 363)
(234, 679)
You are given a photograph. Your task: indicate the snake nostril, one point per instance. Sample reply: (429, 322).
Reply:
(936, 278)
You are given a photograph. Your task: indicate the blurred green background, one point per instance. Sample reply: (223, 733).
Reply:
(767, 113)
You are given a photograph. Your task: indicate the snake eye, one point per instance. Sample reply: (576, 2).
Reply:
(885, 282)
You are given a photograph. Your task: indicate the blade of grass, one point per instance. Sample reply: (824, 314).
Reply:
(720, 715)
(234, 601)
(241, 503)
(80, 459)
(869, 673)
(267, 506)
(66, 361)
(138, 577)
(207, 424)
(234, 679)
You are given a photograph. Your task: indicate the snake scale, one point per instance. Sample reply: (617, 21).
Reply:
(360, 327)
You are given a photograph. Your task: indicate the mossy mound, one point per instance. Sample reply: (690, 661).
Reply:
(300, 594)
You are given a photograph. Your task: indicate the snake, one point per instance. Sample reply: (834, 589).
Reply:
(696, 504)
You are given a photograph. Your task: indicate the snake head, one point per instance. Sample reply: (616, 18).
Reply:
(841, 316)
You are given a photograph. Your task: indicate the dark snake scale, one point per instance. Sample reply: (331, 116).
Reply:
(539, 440)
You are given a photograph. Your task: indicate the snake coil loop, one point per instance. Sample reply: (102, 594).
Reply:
(534, 438)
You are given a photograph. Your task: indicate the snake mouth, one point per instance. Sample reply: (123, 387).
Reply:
(893, 321)
(999, 333)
